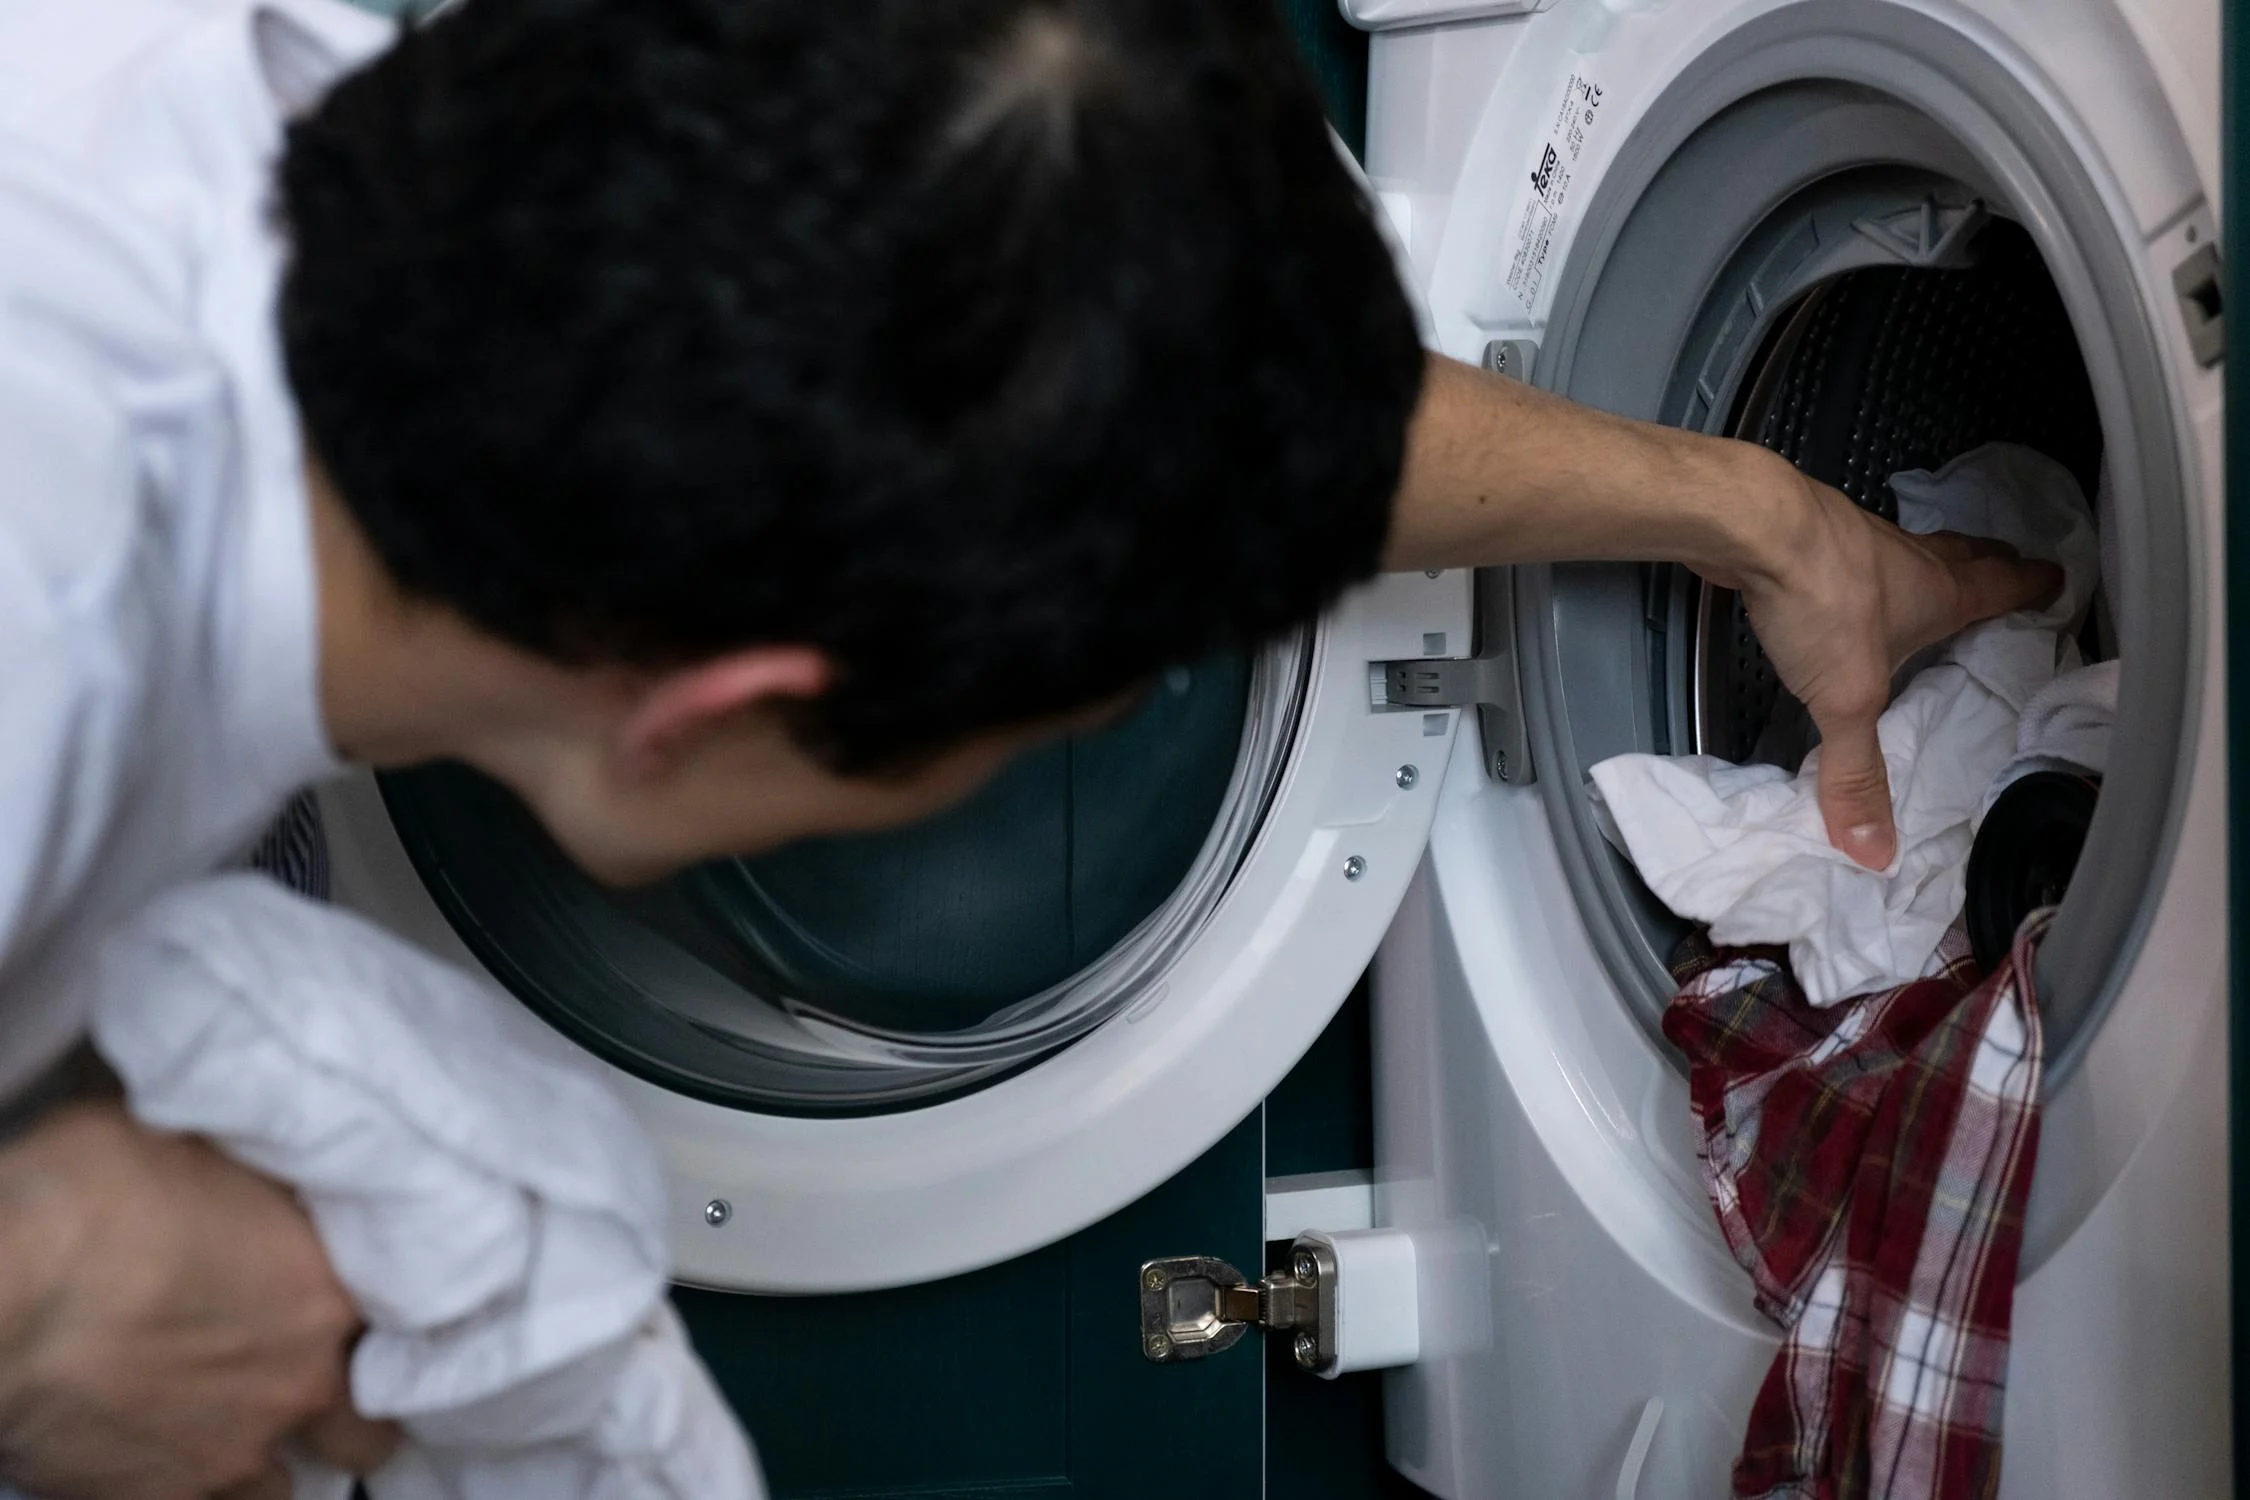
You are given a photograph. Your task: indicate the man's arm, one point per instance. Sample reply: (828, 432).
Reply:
(1499, 472)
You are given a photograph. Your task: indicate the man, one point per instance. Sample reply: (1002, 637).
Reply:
(721, 421)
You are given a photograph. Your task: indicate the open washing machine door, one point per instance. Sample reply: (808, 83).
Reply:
(1870, 233)
(882, 1060)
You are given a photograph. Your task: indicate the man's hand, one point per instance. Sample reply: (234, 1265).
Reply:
(1840, 600)
(167, 1321)
(1498, 472)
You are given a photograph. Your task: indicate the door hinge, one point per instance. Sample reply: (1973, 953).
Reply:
(1513, 358)
(1487, 681)
(1193, 1306)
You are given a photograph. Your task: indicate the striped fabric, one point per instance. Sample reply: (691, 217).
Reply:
(294, 850)
(1869, 1164)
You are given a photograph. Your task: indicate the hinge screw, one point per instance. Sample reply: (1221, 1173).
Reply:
(1158, 1346)
(1500, 764)
(1354, 868)
(717, 1212)
(1154, 1280)
(1407, 776)
(1306, 1348)
(1307, 1269)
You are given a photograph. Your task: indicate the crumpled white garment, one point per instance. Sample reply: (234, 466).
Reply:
(1744, 849)
(2065, 727)
(492, 1207)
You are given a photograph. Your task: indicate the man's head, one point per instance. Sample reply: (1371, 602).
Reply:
(908, 374)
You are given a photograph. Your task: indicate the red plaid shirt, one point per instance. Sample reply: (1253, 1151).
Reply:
(1869, 1164)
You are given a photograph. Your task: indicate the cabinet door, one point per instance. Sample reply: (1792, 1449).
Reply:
(1024, 1380)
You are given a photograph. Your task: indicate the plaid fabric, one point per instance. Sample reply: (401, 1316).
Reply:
(1869, 1164)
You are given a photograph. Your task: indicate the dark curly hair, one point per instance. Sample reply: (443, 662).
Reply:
(1005, 350)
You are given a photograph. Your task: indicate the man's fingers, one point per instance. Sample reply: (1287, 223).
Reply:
(1997, 585)
(1991, 578)
(1958, 546)
(344, 1439)
(273, 1484)
(1855, 792)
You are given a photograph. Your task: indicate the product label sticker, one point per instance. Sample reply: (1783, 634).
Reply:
(1553, 168)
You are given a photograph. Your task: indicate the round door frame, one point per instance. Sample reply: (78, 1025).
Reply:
(854, 1203)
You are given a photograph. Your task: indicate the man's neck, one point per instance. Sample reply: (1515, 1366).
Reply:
(403, 681)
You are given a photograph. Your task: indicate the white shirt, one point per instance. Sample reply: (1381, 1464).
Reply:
(158, 625)
(492, 1208)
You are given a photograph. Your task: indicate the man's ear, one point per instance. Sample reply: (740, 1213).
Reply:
(682, 705)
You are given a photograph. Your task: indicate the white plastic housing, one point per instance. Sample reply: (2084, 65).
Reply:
(1378, 1299)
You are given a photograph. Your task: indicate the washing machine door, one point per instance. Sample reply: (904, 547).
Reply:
(880, 1060)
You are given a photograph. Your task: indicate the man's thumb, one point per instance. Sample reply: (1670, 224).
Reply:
(1855, 793)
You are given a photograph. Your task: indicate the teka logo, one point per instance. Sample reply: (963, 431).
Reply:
(1546, 173)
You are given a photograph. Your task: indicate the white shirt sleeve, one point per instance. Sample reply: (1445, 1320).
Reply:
(76, 638)
(95, 367)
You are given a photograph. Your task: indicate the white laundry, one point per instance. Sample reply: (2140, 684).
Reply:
(1744, 848)
(2065, 727)
(493, 1209)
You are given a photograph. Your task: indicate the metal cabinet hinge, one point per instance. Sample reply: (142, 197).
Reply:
(1193, 1306)
(1486, 681)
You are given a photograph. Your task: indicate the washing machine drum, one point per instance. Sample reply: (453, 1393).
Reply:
(1881, 371)
(1868, 373)
(870, 972)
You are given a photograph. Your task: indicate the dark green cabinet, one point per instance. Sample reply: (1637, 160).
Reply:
(1026, 1379)
(1022, 1380)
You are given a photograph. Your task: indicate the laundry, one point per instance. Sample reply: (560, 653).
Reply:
(1870, 1163)
(2065, 727)
(1744, 848)
(492, 1208)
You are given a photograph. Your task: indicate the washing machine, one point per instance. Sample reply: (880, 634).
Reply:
(1870, 235)
(1863, 232)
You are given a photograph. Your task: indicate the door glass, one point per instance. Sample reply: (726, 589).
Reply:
(872, 971)
(938, 926)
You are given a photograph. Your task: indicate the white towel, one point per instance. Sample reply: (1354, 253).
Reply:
(492, 1207)
(2065, 727)
(1744, 848)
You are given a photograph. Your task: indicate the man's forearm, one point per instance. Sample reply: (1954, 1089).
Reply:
(1497, 472)
(1500, 472)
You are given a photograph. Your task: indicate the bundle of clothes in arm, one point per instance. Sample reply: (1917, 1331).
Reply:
(1864, 1046)
(489, 1202)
